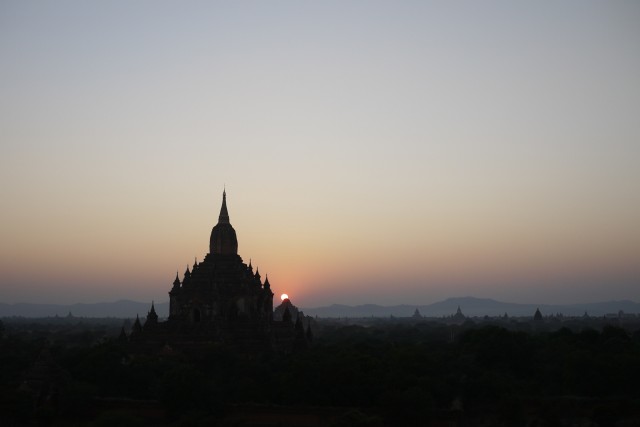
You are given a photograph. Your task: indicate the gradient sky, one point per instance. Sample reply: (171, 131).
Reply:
(373, 152)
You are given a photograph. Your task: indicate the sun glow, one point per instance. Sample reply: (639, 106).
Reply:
(284, 297)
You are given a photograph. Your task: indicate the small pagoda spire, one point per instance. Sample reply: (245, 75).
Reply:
(257, 275)
(152, 317)
(224, 214)
(176, 283)
(537, 316)
(267, 285)
(137, 327)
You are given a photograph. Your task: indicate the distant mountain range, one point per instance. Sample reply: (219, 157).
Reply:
(470, 306)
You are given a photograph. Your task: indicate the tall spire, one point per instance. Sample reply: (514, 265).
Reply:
(223, 239)
(224, 214)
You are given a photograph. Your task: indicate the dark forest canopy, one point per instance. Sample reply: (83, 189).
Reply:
(384, 374)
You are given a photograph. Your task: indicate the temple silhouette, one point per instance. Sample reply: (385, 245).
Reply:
(221, 300)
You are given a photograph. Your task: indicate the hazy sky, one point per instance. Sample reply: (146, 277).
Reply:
(373, 152)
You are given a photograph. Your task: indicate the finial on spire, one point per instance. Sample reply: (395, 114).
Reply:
(224, 214)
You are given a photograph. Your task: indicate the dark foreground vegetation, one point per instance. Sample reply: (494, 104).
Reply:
(390, 374)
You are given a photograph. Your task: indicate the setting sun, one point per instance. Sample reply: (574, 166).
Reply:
(284, 297)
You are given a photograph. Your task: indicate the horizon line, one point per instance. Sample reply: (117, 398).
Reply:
(343, 304)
